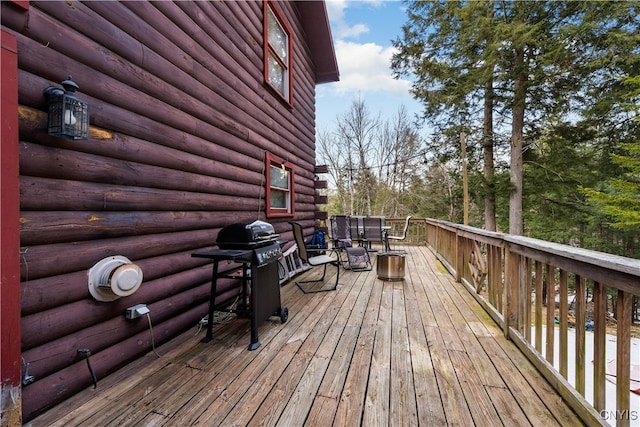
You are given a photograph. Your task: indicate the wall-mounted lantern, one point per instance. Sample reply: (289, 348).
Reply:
(68, 116)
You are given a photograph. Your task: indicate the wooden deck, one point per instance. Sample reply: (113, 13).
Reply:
(418, 352)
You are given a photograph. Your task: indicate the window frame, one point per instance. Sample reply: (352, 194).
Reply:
(274, 212)
(268, 49)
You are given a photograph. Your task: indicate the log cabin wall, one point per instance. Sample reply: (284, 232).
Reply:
(181, 120)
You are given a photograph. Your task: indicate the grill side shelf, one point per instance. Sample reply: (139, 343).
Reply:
(239, 255)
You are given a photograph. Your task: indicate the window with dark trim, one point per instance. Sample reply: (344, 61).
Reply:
(280, 191)
(277, 51)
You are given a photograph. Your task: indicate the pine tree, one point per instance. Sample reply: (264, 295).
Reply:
(529, 62)
(619, 199)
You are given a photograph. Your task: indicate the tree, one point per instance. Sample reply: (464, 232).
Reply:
(619, 197)
(399, 157)
(454, 69)
(372, 163)
(560, 160)
(329, 151)
(355, 133)
(523, 59)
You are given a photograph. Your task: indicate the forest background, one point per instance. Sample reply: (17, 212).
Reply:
(535, 101)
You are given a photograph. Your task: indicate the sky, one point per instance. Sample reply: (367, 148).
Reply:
(362, 32)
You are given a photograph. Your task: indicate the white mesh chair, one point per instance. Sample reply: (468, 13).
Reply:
(397, 238)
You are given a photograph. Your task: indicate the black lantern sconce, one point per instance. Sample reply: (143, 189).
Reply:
(68, 116)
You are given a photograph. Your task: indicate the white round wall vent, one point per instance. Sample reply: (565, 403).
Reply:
(114, 277)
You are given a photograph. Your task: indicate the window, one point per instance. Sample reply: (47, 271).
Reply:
(277, 52)
(280, 194)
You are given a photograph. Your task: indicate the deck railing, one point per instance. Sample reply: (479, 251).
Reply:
(508, 273)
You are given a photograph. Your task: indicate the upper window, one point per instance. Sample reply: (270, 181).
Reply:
(277, 52)
(280, 194)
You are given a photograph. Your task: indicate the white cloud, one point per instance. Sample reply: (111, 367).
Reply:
(364, 67)
(354, 31)
(339, 27)
(364, 60)
(335, 9)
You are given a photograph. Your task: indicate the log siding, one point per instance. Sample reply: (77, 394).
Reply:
(181, 123)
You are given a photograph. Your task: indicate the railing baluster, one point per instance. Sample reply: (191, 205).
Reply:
(564, 322)
(599, 345)
(512, 264)
(496, 277)
(492, 286)
(539, 301)
(527, 300)
(581, 320)
(521, 302)
(551, 311)
(623, 366)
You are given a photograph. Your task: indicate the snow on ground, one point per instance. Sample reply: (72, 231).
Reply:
(610, 411)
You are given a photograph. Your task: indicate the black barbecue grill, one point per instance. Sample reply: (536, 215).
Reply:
(255, 245)
(246, 235)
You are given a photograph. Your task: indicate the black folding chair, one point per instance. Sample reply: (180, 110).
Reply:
(373, 231)
(357, 229)
(307, 256)
(354, 258)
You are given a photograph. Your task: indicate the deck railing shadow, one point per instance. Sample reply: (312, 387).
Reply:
(505, 273)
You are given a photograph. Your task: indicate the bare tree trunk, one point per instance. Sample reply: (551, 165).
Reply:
(515, 198)
(487, 145)
(356, 131)
(329, 152)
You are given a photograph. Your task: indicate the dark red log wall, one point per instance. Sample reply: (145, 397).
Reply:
(181, 120)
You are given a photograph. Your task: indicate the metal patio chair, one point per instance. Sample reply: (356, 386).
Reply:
(397, 238)
(373, 231)
(355, 258)
(311, 257)
(357, 229)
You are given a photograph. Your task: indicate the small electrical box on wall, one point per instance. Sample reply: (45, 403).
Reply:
(136, 311)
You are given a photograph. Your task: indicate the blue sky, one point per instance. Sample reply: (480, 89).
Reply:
(362, 32)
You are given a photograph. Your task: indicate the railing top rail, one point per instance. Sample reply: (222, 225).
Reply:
(614, 270)
(601, 259)
(466, 228)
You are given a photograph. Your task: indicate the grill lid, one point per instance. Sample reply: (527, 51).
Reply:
(246, 235)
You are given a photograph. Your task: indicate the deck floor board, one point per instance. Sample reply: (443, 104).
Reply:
(416, 352)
